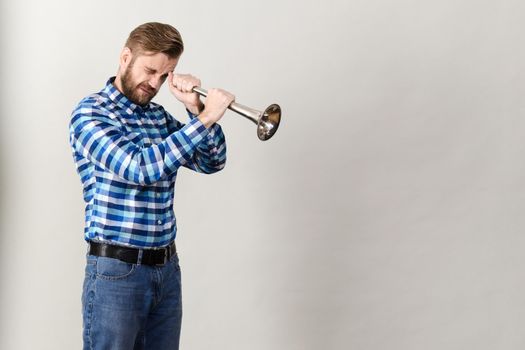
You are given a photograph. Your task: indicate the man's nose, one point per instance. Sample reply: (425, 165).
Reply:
(155, 82)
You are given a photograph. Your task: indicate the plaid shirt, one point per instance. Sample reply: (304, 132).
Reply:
(127, 157)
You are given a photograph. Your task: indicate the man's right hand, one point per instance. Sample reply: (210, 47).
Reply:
(216, 104)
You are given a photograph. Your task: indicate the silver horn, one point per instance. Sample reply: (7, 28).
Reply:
(267, 121)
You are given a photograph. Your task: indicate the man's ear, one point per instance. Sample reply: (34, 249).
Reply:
(125, 57)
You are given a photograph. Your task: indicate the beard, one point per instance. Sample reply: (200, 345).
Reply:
(138, 93)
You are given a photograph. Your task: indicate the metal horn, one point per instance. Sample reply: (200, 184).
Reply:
(267, 121)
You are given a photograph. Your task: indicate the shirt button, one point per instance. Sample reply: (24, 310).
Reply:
(158, 195)
(159, 222)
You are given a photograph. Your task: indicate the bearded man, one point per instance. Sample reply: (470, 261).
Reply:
(127, 151)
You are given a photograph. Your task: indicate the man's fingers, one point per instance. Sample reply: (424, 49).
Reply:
(188, 86)
(185, 82)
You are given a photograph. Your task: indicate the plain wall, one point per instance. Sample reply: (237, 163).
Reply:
(386, 213)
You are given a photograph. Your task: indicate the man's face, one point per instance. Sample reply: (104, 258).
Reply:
(142, 76)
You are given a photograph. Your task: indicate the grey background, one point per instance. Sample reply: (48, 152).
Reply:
(385, 214)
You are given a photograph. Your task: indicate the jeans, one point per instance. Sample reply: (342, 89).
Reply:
(131, 306)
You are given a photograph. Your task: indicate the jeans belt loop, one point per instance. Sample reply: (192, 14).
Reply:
(139, 256)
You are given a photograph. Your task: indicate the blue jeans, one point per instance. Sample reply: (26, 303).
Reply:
(131, 306)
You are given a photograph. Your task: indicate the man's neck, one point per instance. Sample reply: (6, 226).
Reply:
(118, 84)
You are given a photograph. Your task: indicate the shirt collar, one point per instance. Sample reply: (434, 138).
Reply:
(120, 99)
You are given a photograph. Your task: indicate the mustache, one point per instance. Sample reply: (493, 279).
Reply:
(147, 87)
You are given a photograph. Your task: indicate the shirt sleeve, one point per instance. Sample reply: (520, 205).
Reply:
(99, 138)
(210, 155)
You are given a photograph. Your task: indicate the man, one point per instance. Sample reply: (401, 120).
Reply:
(128, 150)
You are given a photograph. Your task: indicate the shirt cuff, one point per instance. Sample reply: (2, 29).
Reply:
(187, 138)
(191, 115)
(212, 130)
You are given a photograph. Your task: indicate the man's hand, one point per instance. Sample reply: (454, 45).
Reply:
(216, 104)
(181, 86)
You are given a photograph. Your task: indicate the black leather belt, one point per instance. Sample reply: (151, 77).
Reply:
(157, 256)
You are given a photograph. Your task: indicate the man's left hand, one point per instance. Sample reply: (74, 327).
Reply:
(181, 86)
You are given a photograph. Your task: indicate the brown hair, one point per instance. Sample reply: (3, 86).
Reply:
(156, 37)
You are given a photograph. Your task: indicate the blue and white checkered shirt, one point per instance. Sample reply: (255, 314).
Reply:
(127, 157)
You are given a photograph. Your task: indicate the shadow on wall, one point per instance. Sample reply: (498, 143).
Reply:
(3, 166)
(3, 131)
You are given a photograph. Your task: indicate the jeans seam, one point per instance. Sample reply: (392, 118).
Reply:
(89, 317)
